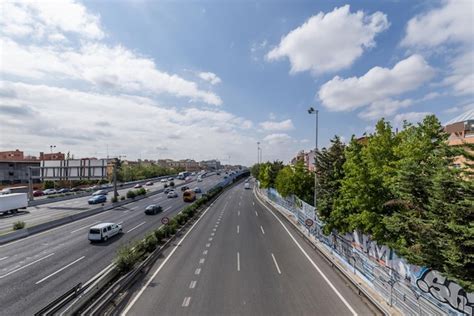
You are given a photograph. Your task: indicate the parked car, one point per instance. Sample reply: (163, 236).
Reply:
(170, 179)
(76, 189)
(153, 209)
(172, 194)
(184, 188)
(199, 179)
(96, 199)
(137, 186)
(38, 193)
(63, 190)
(49, 191)
(163, 180)
(197, 190)
(149, 183)
(99, 192)
(104, 231)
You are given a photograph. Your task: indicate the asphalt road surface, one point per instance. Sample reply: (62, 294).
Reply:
(241, 259)
(37, 269)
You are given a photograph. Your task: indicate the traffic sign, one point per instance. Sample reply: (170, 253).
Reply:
(309, 222)
(165, 220)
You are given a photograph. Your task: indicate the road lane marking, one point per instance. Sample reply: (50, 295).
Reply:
(29, 264)
(239, 203)
(212, 234)
(256, 213)
(214, 229)
(198, 271)
(238, 229)
(201, 261)
(167, 209)
(253, 203)
(238, 213)
(57, 271)
(276, 264)
(313, 263)
(3, 258)
(76, 230)
(210, 238)
(208, 245)
(136, 227)
(263, 232)
(127, 309)
(192, 285)
(238, 261)
(186, 301)
(205, 252)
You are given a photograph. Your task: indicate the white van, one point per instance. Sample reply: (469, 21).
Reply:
(103, 231)
(247, 185)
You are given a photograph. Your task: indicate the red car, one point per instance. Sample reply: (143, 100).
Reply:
(38, 193)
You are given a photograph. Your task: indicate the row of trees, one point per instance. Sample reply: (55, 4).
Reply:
(143, 171)
(403, 189)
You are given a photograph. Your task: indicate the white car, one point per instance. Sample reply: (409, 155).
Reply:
(163, 180)
(104, 231)
(172, 194)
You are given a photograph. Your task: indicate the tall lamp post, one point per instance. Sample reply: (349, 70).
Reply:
(258, 153)
(312, 111)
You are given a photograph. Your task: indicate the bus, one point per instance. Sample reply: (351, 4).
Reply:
(183, 175)
(189, 196)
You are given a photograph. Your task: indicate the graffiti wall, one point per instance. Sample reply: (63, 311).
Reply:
(414, 290)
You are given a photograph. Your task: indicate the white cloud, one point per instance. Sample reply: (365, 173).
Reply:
(277, 139)
(39, 114)
(51, 28)
(383, 108)
(330, 42)
(210, 77)
(377, 84)
(285, 125)
(449, 24)
(410, 117)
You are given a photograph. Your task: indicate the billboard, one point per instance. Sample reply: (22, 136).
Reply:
(74, 169)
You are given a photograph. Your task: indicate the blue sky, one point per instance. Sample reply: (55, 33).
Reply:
(208, 79)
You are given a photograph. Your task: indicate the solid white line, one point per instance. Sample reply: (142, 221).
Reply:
(136, 227)
(161, 266)
(192, 285)
(76, 230)
(256, 213)
(201, 261)
(29, 264)
(205, 252)
(3, 258)
(208, 245)
(276, 264)
(186, 301)
(263, 232)
(198, 271)
(238, 261)
(57, 271)
(312, 262)
(168, 208)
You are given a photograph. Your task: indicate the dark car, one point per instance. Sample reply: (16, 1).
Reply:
(63, 190)
(149, 183)
(184, 188)
(153, 209)
(100, 192)
(38, 193)
(197, 190)
(96, 199)
(167, 190)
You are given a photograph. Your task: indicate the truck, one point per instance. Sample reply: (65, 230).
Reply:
(12, 202)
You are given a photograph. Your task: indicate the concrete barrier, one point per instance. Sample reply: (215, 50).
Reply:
(17, 234)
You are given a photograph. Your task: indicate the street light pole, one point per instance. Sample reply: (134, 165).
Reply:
(311, 110)
(258, 153)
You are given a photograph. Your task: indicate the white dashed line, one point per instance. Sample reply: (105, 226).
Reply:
(263, 232)
(3, 258)
(29, 264)
(238, 213)
(208, 245)
(57, 271)
(167, 209)
(192, 285)
(238, 261)
(76, 230)
(276, 264)
(198, 271)
(186, 301)
(201, 261)
(210, 238)
(212, 234)
(205, 252)
(238, 229)
(256, 213)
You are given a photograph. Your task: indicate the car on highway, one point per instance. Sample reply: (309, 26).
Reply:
(149, 183)
(184, 188)
(163, 180)
(38, 193)
(170, 179)
(247, 185)
(199, 179)
(63, 190)
(172, 194)
(104, 231)
(100, 192)
(49, 191)
(96, 199)
(137, 186)
(189, 196)
(153, 209)
(167, 190)
(197, 190)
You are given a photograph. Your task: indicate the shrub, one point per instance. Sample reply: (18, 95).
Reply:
(126, 258)
(150, 242)
(172, 184)
(122, 198)
(141, 191)
(18, 225)
(48, 184)
(159, 234)
(181, 218)
(114, 199)
(131, 194)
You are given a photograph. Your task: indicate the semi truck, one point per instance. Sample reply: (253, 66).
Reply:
(10, 203)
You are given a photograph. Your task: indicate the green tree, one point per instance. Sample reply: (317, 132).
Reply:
(296, 180)
(268, 173)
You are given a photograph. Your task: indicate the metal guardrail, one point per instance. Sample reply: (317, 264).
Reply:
(58, 303)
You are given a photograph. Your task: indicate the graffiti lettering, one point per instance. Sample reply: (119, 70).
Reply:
(446, 291)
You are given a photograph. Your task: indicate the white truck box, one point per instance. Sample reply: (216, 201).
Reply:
(13, 202)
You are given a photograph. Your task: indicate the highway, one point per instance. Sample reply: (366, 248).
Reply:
(35, 215)
(242, 259)
(39, 268)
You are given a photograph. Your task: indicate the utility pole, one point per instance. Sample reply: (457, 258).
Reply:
(115, 178)
(311, 110)
(30, 184)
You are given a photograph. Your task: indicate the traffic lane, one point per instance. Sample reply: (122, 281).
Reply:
(47, 239)
(339, 294)
(90, 259)
(175, 281)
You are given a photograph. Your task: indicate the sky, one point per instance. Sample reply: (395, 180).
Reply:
(209, 79)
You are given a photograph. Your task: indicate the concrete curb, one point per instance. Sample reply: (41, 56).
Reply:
(358, 282)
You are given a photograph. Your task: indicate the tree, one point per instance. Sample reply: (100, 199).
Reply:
(268, 173)
(296, 180)
(329, 164)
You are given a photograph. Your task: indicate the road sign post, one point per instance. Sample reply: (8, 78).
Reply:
(309, 223)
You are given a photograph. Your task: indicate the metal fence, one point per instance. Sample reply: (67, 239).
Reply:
(412, 289)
